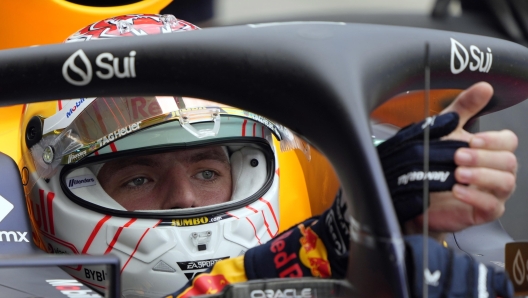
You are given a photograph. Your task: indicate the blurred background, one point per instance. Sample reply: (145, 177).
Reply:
(240, 11)
(33, 22)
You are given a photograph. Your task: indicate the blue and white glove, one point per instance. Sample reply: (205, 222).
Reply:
(402, 161)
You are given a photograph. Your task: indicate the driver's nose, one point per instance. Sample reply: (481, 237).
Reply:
(179, 192)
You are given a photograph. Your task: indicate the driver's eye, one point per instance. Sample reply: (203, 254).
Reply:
(137, 181)
(207, 174)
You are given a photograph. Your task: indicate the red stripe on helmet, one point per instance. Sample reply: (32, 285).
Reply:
(266, 224)
(117, 122)
(50, 198)
(135, 249)
(42, 211)
(252, 209)
(94, 233)
(119, 110)
(272, 213)
(232, 215)
(244, 128)
(254, 229)
(113, 147)
(68, 245)
(116, 236)
(99, 118)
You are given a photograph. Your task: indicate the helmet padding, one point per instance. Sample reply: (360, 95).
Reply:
(95, 193)
(248, 172)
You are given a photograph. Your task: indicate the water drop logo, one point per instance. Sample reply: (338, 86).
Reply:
(518, 268)
(463, 61)
(69, 65)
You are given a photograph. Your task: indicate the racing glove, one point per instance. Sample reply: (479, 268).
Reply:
(317, 247)
(402, 161)
(452, 275)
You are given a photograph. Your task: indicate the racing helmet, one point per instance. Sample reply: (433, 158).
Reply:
(95, 170)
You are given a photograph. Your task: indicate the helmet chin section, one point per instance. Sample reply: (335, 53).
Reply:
(158, 260)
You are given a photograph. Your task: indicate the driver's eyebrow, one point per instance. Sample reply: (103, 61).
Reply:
(217, 154)
(139, 161)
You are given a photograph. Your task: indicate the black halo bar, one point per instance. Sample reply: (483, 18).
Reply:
(320, 79)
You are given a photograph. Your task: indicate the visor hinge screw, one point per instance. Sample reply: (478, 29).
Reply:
(194, 235)
(32, 133)
(48, 155)
(254, 162)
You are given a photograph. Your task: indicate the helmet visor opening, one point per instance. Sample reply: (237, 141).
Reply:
(179, 181)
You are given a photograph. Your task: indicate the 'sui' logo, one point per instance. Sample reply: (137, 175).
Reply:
(519, 270)
(480, 60)
(86, 76)
(109, 67)
(5, 207)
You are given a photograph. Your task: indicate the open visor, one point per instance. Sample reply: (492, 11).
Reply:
(199, 179)
(89, 124)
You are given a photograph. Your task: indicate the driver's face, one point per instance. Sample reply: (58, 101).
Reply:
(180, 179)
